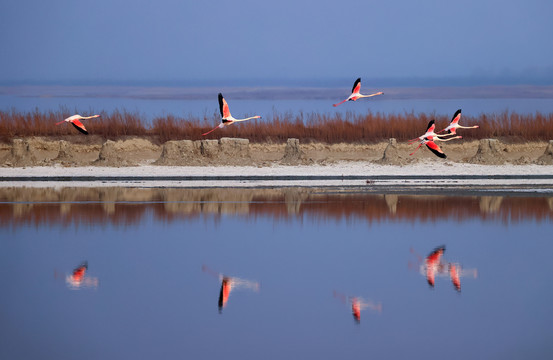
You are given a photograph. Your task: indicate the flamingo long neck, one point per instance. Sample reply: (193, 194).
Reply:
(249, 118)
(451, 138)
(467, 127)
(370, 95)
(88, 117)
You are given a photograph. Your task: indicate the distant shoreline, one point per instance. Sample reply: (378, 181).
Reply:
(278, 92)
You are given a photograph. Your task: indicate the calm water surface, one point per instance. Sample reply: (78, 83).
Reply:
(118, 273)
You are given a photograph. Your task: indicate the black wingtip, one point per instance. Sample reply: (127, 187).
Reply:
(220, 96)
(80, 129)
(430, 124)
(456, 113)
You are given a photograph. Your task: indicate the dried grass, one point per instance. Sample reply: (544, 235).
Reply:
(313, 127)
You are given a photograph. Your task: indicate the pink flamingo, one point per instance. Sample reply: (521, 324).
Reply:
(355, 95)
(428, 139)
(75, 121)
(226, 117)
(454, 124)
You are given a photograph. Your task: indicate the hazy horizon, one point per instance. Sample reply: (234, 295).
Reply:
(301, 42)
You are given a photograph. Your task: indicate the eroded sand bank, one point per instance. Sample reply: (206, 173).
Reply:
(37, 151)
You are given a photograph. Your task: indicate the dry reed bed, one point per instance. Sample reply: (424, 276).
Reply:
(348, 128)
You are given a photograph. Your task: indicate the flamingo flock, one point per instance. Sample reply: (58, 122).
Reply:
(429, 138)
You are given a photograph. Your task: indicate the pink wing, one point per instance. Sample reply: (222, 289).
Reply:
(431, 126)
(432, 262)
(456, 117)
(79, 126)
(431, 145)
(454, 274)
(223, 107)
(356, 86)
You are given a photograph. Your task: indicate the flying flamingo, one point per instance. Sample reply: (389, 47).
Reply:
(226, 117)
(75, 121)
(428, 139)
(355, 95)
(454, 124)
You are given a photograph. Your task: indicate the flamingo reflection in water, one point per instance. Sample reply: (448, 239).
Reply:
(357, 304)
(434, 265)
(78, 279)
(229, 284)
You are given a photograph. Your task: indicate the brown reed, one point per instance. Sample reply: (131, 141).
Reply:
(312, 127)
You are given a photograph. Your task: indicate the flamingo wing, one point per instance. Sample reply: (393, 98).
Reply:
(79, 126)
(223, 107)
(356, 310)
(456, 117)
(431, 145)
(431, 275)
(431, 126)
(435, 255)
(356, 86)
(224, 294)
(432, 261)
(455, 278)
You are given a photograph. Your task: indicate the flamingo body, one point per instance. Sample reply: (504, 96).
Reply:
(355, 93)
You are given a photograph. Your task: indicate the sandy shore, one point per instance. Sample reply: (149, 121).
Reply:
(370, 177)
(40, 162)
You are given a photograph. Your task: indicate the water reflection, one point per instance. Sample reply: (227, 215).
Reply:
(434, 265)
(357, 304)
(229, 284)
(129, 206)
(79, 280)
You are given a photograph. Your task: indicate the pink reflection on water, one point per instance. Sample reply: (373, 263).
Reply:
(434, 265)
(78, 279)
(358, 304)
(228, 284)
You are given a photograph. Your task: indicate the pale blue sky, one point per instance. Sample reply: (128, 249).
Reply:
(250, 41)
